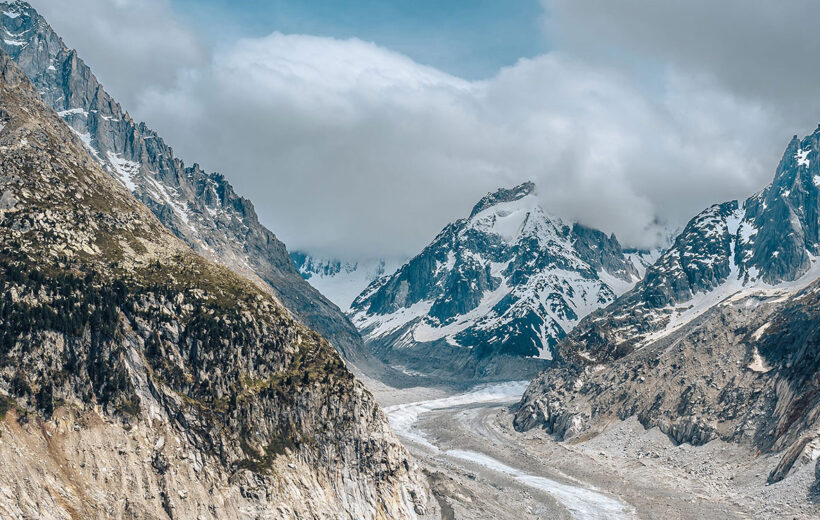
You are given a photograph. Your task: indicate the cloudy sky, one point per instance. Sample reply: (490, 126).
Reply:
(360, 128)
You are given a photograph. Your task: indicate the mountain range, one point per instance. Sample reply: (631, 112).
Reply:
(139, 379)
(719, 340)
(162, 353)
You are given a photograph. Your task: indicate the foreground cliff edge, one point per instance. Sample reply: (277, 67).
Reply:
(138, 379)
(200, 208)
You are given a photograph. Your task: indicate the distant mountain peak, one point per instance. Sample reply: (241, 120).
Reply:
(503, 195)
(342, 281)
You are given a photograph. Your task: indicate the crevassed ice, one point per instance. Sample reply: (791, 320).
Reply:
(582, 502)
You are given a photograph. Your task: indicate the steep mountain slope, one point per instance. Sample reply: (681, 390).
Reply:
(500, 287)
(719, 340)
(341, 281)
(200, 208)
(140, 380)
(770, 239)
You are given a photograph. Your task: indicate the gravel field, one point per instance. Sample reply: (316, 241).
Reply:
(481, 468)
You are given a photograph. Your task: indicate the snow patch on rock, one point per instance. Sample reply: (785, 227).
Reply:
(802, 157)
(126, 170)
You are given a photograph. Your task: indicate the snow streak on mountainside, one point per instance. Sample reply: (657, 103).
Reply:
(768, 240)
(200, 208)
(341, 281)
(509, 280)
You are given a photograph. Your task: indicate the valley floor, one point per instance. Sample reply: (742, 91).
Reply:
(481, 468)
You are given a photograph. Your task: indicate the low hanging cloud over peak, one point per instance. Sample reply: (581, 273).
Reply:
(351, 149)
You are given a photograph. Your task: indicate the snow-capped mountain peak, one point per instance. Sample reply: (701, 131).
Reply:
(510, 280)
(508, 219)
(341, 281)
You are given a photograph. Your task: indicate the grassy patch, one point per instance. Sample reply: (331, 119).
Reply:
(6, 404)
(129, 406)
(262, 463)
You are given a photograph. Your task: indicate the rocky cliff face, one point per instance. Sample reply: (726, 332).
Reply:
(744, 371)
(719, 340)
(500, 287)
(200, 208)
(140, 380)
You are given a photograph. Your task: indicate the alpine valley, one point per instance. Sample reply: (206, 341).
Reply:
(163, 355)
(684, 382)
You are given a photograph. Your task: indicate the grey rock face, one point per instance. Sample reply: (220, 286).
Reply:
(783, 219)
(200, 208)
(143, 380)
(745, 371)
(508, 282)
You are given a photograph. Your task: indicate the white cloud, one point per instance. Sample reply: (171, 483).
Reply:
(756, 49)
(349, 148)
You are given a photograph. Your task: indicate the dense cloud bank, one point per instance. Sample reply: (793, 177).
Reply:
(348, 148)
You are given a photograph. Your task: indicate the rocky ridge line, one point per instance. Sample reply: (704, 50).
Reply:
(719, 340)
(200, 208)
(140, 380)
